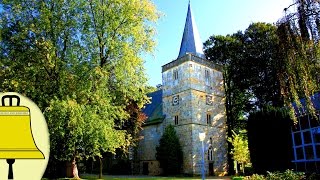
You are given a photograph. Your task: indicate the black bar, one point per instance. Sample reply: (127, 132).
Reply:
(10, 162)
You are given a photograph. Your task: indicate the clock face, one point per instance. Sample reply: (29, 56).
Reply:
(209, 100)
(175, 100)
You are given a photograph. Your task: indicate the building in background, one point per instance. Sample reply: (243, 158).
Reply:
(306, 138)
(192, 99)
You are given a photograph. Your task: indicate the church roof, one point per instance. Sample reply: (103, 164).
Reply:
(154, 110)
(191, 42)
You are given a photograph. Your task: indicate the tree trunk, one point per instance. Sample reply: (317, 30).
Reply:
(236, 167)
(242, 168)
(101, 166)
(75, 169)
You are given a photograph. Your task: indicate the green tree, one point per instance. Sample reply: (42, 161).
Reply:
(240, 151)
(80, 61)
(298, 32)
(226, 51)
(250, 79)
(169, 152)
(270, 140)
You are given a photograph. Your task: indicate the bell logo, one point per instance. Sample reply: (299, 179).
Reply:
(24, 138)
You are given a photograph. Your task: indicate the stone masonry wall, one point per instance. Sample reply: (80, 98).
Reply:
(151, 135)
(196, 81)
(216, 131)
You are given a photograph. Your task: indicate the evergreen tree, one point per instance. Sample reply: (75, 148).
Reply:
(269, 140)
(169, 152)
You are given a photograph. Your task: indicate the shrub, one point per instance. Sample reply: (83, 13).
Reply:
(169, 152)
(269, 139)
(287, 175)
(255, 177)
(313, 176)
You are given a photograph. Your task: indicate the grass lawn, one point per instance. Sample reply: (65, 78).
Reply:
(153, 178)
(95, 177)
(136, 178)
(110, 177)
(130, 178)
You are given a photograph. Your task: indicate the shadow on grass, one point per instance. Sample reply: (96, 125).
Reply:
(123, 177)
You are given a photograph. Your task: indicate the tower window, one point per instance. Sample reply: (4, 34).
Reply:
(176, 120)
(209, 120)
(210, 154)
(207, 76)
(175, 75)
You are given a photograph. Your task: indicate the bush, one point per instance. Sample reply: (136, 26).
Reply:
(313, 176)
(287, 175)
(169, 152)
(255, 177)
(270, 140)
(248, 170)
(123, 167)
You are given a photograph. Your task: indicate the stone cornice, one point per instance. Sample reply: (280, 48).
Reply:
(191, 57)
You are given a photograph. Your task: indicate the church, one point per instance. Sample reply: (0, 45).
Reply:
(191, 98)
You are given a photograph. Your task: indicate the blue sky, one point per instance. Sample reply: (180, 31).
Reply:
(218, 17)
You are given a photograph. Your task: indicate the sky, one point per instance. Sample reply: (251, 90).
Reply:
(213, 17)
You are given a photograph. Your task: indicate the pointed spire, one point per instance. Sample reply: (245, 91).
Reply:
(191, 42)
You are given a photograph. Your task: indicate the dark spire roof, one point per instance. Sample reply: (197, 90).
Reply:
(191, 42)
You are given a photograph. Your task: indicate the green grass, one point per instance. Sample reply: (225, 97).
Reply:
(115, 178)
(95, 177)
(153, 178)
(118, 178)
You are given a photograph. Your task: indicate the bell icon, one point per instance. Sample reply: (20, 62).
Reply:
(16, 139)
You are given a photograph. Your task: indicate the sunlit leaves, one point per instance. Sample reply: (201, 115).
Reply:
(240, 151)
(299, 45)
(80, 61)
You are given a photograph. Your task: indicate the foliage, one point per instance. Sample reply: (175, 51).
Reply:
(80, 61)
(240, 151)
(269, 139)
(298, 32)
(246, 90)
(150, 89)
(254, 49)
(286, 175)
(225, 51)
(169, 152)
(123, 167)
(255, 177)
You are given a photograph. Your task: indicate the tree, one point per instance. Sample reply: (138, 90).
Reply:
(298, 32)
(240, 151)
(261, 54)
(225, 51)
(255, 49)
(270, 140)
(169, 152)
(246, 91)
(80, 62)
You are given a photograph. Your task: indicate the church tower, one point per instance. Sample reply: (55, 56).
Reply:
(193, 101)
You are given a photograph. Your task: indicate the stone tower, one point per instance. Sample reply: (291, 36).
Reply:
(193, 101)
